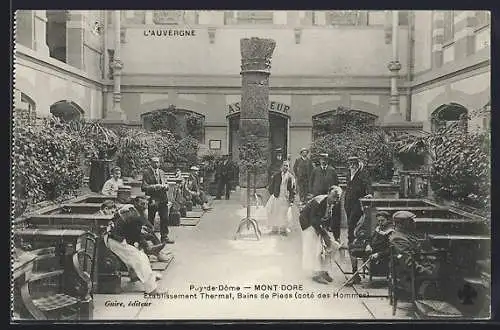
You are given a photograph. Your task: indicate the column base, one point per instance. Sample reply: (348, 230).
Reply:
(116, 115)
(261, 192)
(393, 118)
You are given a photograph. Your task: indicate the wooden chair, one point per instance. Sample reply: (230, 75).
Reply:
(424, 307)
(59, 294)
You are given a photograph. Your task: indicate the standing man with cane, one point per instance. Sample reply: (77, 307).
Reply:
(156, 189)
(358, 186)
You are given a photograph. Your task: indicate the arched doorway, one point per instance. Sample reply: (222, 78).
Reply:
(66, 110)
(335, 121)
(180, 122)
(447, 115)
(26, 108)
(278, 137)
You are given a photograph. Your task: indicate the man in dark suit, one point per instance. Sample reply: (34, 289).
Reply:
(156, 189)
(302, 169)
(223, 175)
(322, 177)
(358, 186)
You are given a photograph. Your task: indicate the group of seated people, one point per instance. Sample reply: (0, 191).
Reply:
(189, 187)
(130, 236)
(398, 234)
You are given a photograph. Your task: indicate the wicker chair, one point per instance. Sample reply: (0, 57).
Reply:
(60, 294)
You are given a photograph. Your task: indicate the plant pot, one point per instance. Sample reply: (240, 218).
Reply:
(100, 172)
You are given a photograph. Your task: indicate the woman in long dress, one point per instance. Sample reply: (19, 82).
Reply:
(282, 191)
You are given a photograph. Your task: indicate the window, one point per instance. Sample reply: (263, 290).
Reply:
(449, 31)
(66, 110)
(56, 33)
(254, 17)
(173, 17)
(403, 17)
(483, 18)
(448, 115)
(27, 108)
(133, 16)
(342, 17)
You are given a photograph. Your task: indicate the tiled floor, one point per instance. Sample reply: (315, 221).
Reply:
(207, 255)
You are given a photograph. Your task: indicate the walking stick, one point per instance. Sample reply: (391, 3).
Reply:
(355, 273)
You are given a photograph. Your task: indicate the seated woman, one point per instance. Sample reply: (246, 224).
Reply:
(110, 187)
(122, 238)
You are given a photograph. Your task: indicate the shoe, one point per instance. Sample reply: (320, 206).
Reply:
(155, 291)
(158, 277)
(155, 249)
(327, 277)
(319, 279)
(168, 241)
(354, 280)
(165, 257)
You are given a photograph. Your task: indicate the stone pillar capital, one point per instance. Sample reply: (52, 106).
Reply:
(117, 65)
(256, 54)
(394, 66)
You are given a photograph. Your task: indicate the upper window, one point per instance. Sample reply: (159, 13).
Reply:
(483, 18)
(254, 17)
(449, 30)
(342, 17)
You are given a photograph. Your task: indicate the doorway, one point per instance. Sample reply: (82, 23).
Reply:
(278, 139)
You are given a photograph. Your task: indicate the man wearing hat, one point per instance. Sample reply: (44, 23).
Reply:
(322, 177)
(302, 169)
(358, 186)
(374, 245)
(110, 187)
(223, 175)
(408, 246)
(317, 244)
(155, 186)
(193, 188)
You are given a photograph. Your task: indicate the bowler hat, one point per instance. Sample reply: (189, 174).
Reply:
(303, 149)
(195, 168)
(403, 216)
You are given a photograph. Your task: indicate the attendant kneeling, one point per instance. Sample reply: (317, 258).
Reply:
(317, 243)
(135, 259)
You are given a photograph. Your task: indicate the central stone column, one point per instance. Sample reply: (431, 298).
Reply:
(254, 117)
